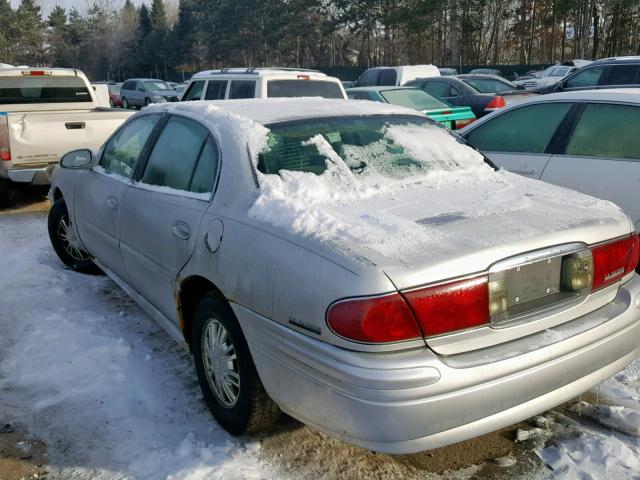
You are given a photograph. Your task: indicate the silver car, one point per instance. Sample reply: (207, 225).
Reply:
(586, 140)
(353, 265)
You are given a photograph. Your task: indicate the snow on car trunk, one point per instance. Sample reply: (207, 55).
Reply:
(413, 200)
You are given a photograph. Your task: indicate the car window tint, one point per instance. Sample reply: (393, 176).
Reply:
(175, 153)
(453, 91)
(622, 74)
(586, 78)
(216, 90)
(194, 92)
(123, 150)
(387, 77)
(607, 131)
(513, 131)
(242, 89)
(439, 89)
(205, 172)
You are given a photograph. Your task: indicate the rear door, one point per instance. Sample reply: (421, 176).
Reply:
(98, 198)
(601, 157)
(522, 139)
(162, 211)
(216, 90)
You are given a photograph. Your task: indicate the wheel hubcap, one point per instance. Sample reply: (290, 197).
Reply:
(221, 363)
(66, 235)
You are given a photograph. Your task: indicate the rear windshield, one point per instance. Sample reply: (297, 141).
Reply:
(412, 98)
(43, 89)
(394, 147)
(489, 85)
(303, 88)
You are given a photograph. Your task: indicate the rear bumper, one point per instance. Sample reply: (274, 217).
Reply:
(34, 176)
(410, 401)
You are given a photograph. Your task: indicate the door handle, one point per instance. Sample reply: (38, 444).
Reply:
(75, 125)
(112, 203)
(181, 230)
(532, 171)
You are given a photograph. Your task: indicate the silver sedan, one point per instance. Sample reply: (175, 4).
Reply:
(353, 265)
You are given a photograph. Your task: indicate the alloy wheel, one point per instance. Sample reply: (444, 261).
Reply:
(221, 363)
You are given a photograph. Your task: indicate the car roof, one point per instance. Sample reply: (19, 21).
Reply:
(275, 110)
(144, 79)
(617, 60)
(482, 75)
(628, 95)
(259, 72)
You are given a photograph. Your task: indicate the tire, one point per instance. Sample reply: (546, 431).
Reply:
(252, 410)
(147, 101)
(77, 259)
(125, 103)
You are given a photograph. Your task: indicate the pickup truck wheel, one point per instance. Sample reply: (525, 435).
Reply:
(125, 103)
(226, 372)
(64, 242)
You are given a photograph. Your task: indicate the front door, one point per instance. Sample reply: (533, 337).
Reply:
(98, 197)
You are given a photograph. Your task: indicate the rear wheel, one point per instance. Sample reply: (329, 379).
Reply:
(226, 372)
(125, 103)
(65, 242)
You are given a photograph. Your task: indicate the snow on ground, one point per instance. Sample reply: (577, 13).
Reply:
(97, 379)
(114, 397)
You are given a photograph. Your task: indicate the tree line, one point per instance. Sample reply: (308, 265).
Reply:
(114, 40)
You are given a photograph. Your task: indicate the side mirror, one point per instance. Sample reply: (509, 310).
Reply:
(77, 159)
(559, 86)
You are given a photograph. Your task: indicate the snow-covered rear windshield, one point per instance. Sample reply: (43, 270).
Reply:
(390, 146)
(43, 89)
(303, 88)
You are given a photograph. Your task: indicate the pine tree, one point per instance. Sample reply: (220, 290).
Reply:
(59, 51)
(28, 33)
(7, 31)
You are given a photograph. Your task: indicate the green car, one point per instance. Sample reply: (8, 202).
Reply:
(435, 108)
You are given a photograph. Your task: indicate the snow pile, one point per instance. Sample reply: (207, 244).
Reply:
(618, 417)
(89, 372)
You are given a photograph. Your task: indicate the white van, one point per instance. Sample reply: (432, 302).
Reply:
(234, 83)
(389, 76)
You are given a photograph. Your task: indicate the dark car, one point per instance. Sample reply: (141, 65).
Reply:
(460, 91)
(139, 92)
(614, 72)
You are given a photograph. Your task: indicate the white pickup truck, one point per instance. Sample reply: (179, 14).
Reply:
(44, 113)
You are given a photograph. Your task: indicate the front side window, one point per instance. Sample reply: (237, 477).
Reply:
(243, 89)
(216, 90)
(607, 131)
(123, 151)
(586, 78)
(526, 129)
(375, 148)
(43, 89)
(194, 92)
(303, 88)
(175, 154)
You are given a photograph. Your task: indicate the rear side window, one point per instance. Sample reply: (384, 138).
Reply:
(175, 154)
(205, 171)
(43, 89)
(123, 151)
(387, 77)
(216, 90)
(513, 131)
(303, 88)
(242, 89)
(623, 74)
(607, 131)
(439, 89)
(194, 92)
(586, 78)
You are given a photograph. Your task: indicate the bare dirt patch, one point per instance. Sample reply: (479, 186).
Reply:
(21, 455)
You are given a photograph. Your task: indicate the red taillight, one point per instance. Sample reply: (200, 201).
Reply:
(496, 102)
(5, 148)
(304, 77)
(373, 320)
(614, 260)
(463, 123)
(451, 306)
